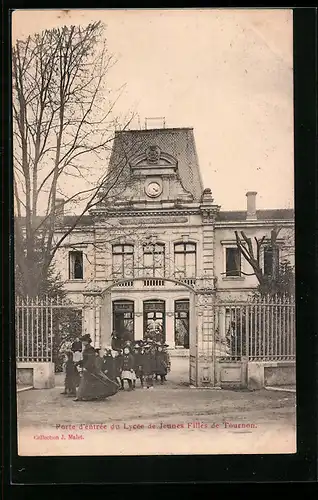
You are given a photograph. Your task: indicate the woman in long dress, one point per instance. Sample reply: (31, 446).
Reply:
(94, 385)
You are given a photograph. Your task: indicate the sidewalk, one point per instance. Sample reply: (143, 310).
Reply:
(170, 419)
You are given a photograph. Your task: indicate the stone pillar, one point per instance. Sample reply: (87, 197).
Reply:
(139, 325)
(205, 355)
(170, 328)
(170, 322)
(205, 298)
(138, 318)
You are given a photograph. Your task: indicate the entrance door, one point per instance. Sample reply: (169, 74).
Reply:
(123, 319)
(154, 319)
(181, 323)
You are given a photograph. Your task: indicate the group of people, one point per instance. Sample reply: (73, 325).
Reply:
(90, 376)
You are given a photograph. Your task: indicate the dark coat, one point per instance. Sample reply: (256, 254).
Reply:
(109, 367)
(149, 363)
(118, 365)
(161, 363)
(94, 384)
(89, 357)
(99, 363)
(138, 363)
(72, 377)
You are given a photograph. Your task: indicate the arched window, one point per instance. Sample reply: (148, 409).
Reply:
(154, 260)
(123, 319)
(181, 323)
(185, 260)
(123, 261)
(154, 320)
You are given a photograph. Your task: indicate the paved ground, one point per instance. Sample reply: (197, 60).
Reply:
(171, 419)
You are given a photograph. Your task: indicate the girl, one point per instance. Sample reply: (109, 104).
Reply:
(149, 365)
(138, 366)
(71, 376)
(77, 350)
(127, 369)
(161, 364)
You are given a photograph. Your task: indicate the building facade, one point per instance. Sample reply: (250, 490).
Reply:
(162, 251)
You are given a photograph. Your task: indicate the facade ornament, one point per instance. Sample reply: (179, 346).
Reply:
(153, 154)
(208, 214)
(207, 196)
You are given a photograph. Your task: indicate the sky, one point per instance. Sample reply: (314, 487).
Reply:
(227, 73)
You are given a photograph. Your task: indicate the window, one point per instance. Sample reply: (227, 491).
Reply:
(181, 323)
(233, 262)
(185, 260)
(271, 260)
(154, 320)
(123, 261)
(123, 319)
(154, 260)
(76, 265)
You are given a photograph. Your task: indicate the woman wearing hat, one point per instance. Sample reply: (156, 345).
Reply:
(94, 385)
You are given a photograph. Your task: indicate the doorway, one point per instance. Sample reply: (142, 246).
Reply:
(123, 319)
(154, 320)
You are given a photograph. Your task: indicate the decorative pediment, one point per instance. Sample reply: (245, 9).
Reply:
(153, 158)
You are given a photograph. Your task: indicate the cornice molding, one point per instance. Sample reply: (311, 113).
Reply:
(148, 213)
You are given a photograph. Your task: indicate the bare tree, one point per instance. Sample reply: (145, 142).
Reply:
(63, 125)
(252, 254)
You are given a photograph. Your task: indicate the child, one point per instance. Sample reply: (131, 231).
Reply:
(138, 366)
(127, 372)
(107, 363)
(77, 349)
(71, 376)
(161, 364)
(149, 365)
(116, 365)
(98, 361)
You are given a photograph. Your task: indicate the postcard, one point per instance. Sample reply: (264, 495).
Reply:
(154, 231)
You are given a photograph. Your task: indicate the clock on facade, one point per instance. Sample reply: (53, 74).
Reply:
(153, 189)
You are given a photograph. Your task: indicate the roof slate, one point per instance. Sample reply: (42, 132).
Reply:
(178, 142)
(262, 215)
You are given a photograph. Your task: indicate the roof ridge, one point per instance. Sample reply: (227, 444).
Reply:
(152, 129)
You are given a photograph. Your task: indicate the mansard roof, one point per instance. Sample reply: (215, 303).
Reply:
(262, 215)
(177, 142)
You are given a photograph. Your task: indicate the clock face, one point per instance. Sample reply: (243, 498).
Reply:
(153, 189)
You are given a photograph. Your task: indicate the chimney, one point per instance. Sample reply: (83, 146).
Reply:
(251, 205)
(59, 209)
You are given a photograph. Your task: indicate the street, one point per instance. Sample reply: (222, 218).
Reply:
(170, 419)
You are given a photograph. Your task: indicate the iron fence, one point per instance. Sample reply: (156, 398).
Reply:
(259, 329)
(44, 327)
(262, 329)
